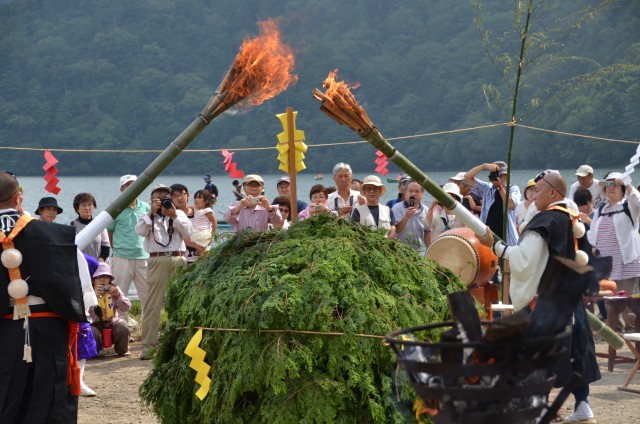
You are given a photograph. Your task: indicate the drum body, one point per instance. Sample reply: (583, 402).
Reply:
(460, 251)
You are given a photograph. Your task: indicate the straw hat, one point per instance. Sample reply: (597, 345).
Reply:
(374, 181)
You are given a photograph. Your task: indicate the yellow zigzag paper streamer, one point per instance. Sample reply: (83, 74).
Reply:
(197, 363)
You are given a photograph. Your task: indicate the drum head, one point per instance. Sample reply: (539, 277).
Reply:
(456, 254)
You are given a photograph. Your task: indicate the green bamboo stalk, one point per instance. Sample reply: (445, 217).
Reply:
(607, 333)
(376, 139)
(514, 107)
(214, 108)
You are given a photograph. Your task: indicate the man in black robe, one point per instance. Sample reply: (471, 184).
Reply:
(38, 391)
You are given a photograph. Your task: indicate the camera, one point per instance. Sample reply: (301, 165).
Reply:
(494, 176)
(167, 204)
(412, 201)
(611, 183)
(255, 200)
(318, 207)
(106, 289)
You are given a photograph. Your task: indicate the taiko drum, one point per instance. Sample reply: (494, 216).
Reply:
(460, 251)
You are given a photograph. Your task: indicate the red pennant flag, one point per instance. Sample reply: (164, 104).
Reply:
(382, 163)
(230, 166)
(50, 173)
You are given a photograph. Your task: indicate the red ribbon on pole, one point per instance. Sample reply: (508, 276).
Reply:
(230, 166)
(382, 163)
(50, 173)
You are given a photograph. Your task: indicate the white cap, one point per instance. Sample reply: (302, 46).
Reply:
(126, 178)
(584, 170)
(452, 188)
(458, 177)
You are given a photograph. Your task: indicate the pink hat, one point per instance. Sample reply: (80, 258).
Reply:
(103, 269)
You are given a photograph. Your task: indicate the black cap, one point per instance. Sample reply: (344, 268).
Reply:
(48, 201)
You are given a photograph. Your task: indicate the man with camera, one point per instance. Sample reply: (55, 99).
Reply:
(494, 196)
(254, 211)
(164, 230)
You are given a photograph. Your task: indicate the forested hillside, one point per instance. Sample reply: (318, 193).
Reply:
(123, 74)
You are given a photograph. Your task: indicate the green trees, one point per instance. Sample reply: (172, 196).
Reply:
(132, 74)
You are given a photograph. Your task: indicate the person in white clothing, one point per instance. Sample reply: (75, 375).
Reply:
(344, 199)
(373, 214)
(584, 174)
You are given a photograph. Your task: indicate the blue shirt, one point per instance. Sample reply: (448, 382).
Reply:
(488, 192)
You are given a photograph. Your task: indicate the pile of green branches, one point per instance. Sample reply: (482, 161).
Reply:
(322, 275)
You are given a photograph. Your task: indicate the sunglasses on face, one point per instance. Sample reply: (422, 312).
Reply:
(541, 177)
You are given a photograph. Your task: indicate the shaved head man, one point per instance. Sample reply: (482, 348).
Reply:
(550, 232)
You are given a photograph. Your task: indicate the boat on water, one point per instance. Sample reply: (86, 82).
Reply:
(319, 177)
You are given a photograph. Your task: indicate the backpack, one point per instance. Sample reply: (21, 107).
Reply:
(625, 209)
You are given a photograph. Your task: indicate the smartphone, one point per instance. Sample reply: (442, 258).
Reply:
(412, 201)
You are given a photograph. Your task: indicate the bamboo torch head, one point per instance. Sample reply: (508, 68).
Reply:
(261, 70)
(340, 104)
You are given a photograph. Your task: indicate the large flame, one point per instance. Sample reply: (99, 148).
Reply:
(262, 69)
(339, 103)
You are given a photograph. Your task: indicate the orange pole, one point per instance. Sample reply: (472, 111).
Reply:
(293, 192)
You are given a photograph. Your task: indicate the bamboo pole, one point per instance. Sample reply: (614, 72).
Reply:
(373, 136)
(214, 108)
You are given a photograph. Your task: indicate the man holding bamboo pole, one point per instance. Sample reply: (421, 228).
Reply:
(551, 232)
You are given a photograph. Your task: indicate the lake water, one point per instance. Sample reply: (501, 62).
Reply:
(106, 189)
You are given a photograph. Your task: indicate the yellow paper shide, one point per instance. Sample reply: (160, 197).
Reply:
(197, 363)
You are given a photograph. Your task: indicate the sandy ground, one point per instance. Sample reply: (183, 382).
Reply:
(116, 381)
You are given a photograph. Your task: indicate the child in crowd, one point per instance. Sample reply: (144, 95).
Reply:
(204, 220)
(104, 317)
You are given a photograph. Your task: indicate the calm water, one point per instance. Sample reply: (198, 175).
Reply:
(106, 189)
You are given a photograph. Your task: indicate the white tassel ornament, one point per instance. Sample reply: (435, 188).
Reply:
(581, 257)
(18, 288)
(11, 258)
(578, 229)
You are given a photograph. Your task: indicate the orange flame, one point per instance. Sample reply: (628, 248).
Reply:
(262, 69)
(339, 103)
(339, 88)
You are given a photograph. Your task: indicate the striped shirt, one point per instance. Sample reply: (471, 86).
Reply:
(607, 244)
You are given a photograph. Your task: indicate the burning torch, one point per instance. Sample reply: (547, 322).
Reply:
(339, 103)
(262, 69)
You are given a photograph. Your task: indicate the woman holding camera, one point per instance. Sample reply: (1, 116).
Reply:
(614, 232)
(372, 214)
(108, 328)
(318, 196)
(254, 211)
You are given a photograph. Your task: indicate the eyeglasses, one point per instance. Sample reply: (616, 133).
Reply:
(541, 177)
(86, 205)
(371, 188)
(175, 195)
(253, 184)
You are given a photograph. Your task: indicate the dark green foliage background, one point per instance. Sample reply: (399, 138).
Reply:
(123, 74)
(324, 275)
